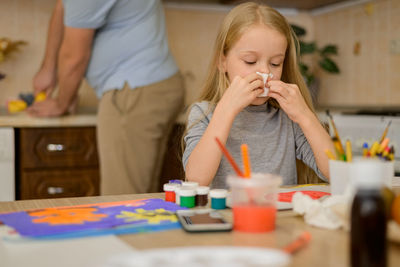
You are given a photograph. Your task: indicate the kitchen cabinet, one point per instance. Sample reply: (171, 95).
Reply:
(56, 162)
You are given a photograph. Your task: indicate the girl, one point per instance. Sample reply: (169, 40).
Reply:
(278, 128)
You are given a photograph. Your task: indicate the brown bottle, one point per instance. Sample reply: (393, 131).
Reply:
(368, 219)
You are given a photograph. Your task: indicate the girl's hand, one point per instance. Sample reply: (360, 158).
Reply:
(241, 92)
(290, 99)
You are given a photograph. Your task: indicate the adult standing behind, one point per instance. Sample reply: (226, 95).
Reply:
(123, 48)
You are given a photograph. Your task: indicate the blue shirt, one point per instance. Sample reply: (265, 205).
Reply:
(130, 43)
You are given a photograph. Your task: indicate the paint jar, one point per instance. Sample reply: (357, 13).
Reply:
(169, 190)
(218, 198)
(177, 196)
(253, 202)
(190, 184)
(202, 196)
(187, 196)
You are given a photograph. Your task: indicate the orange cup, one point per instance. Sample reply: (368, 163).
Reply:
(253, 202)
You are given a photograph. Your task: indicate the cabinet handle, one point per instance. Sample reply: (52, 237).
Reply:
(52, 190)
(55, 147)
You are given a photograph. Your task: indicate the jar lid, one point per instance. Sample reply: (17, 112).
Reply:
(170, 187)
(191, 184)
(219, 193)
(175, 181)
(202, 190)
(185, 191)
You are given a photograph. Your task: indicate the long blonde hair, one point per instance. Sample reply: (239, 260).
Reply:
(238, 20)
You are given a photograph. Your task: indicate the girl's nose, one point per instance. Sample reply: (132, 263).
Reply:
(264, 69)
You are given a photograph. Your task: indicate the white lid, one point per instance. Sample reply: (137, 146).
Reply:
(191, 184)
(177, 188)
(256, 180)
(219, 193)
(202, 190)
(368, 173)
(170, 187)
(186, 191)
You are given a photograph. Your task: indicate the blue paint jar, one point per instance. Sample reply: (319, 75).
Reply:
(218, 198)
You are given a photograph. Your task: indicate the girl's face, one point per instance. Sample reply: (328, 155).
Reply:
(259, 49)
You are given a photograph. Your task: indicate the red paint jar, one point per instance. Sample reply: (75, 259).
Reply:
(169, 190)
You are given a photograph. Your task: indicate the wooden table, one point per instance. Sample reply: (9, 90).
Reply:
(327, 248)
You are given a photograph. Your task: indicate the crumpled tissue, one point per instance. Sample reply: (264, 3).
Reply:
(265, 78)
(330, 212)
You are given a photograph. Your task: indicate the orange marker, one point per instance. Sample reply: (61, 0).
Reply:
(246, 160)
(297, 244)
(383, 145)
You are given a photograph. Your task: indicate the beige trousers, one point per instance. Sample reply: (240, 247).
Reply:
(132, 133)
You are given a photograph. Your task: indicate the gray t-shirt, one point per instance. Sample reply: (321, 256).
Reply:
(274, 142)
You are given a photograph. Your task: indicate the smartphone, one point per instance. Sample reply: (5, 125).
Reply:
(203, 220)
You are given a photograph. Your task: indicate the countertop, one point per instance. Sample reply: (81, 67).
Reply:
(85, 116)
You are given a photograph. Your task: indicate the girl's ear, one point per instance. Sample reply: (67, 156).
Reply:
(222, 64)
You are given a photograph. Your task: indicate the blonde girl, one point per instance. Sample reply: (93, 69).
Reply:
(278, 128)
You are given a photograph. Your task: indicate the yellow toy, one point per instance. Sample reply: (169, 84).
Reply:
(24, 101)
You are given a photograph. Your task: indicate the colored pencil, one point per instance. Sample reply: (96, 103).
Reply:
(385, 132)
(329, 154)
(349, 155)
(340, 147)
(246, 160)
(229, 158)
(374, 149)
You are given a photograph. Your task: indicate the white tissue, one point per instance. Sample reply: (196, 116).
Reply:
(331, 213)
(265, 78)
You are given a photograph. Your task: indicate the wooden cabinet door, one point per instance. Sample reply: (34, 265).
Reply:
(58, 147)
(59, 183)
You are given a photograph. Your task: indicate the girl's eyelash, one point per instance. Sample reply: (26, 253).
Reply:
(250, 62)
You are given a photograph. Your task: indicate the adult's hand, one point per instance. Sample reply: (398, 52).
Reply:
(49, 107)
(45, 80)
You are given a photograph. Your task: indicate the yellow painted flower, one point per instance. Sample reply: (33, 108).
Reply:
(151, 216)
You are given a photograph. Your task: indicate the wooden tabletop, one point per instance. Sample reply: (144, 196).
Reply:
(327, 247)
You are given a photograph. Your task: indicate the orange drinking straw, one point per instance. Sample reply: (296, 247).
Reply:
(246, 160)
(229, 158)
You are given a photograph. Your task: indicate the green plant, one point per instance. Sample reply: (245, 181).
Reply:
(323, 54)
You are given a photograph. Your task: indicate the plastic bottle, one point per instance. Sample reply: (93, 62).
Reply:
(368, 221)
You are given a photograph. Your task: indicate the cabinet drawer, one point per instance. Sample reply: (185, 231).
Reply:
(59, 183)
(58, 147)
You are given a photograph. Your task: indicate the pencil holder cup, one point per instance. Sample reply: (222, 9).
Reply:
(253, 202)
(341, 179)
